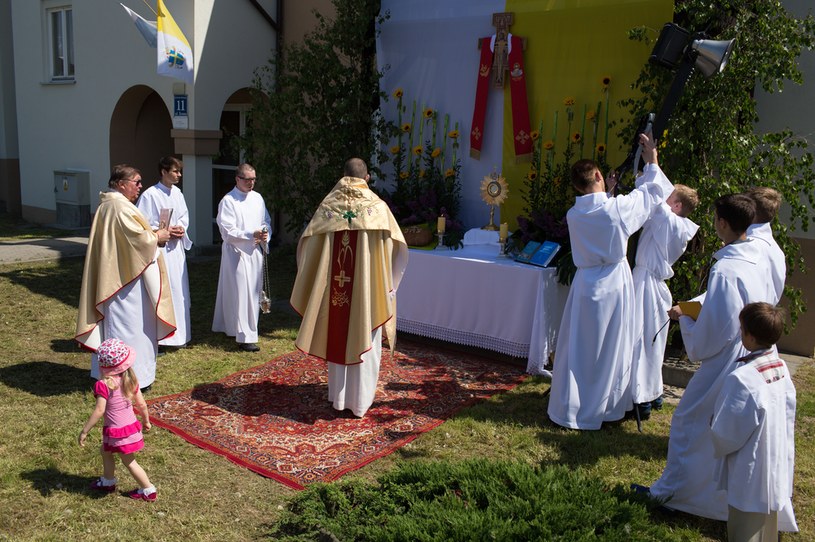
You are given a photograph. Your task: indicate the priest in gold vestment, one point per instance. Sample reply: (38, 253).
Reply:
(350, 260)
(125, 291)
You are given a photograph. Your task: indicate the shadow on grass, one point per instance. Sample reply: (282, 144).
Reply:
(61, 282)
(50, 480)
(46, 378)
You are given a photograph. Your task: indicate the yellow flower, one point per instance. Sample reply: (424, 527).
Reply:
(576, 137)
(591, 115)
(436, 152)
(421, 174)
(532, 175)
(534, 135)
(568, 102)
(606, 81)
(403, 175)
(406, 127)
(398, 93)
(601, 149)
(449, 173)
(428, 113)
(548, 144)
(453, 134)
(395, 149)
(417, 150)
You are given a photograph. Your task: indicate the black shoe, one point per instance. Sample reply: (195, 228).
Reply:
(249, 347)
(645, 490)
(146, 389)
(656, 404)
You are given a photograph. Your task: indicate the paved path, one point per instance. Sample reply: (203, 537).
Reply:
(41, 250)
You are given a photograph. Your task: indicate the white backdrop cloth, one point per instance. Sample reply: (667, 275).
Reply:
(475, 298)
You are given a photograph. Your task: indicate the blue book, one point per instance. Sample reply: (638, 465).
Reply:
(529, 250)
(545, 254)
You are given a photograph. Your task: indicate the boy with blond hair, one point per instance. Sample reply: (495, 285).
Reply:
(753, 431)
(664, 238)
(768, 201)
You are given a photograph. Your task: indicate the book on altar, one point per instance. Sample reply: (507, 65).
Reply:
(690, 308)
(164, 217)
(540, 254)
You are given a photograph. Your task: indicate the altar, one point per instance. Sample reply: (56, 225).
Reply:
(473, 297)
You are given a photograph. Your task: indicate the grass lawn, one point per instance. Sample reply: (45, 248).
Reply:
(45, 397)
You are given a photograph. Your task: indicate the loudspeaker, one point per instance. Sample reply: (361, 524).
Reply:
(712, 55)
(670, 46)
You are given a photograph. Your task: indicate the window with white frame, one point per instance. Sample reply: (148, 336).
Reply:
(60, 26)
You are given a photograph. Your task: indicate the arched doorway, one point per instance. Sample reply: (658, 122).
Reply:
(140, 132)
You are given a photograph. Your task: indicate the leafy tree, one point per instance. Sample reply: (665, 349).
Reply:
(712, 142)
(315, 106)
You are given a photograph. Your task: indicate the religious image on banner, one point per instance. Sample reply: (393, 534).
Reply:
(174, 51)
(502, 53)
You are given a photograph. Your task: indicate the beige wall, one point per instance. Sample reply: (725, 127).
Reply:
(299, 20)
(802, 340)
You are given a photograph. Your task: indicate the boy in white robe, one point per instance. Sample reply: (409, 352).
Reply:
(753, 430)
(245, 227)
(591, 375)
(662, 241)
(166, 195)
(768, 201)
(738, 277)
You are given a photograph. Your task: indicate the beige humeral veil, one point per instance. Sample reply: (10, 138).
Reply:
(122, 246)
(379, 265)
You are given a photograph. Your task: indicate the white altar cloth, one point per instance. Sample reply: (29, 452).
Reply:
(472, 297)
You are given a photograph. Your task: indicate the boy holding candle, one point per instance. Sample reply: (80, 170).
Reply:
(591, 375)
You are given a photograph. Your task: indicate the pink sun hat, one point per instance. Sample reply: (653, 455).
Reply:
(115, 357)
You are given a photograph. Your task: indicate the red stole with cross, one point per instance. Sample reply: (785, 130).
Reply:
(343, 263)
(520, 105)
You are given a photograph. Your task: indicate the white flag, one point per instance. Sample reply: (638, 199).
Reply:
(174, 51)
(147, 28)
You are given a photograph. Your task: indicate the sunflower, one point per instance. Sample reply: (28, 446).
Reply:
(448, 173)
(403, 175)
(576, 137)
(395, 149)
(436, 152)
(417, 150)
(601, 149)
(428, 113)
(422, 174)
(535, 135)
(406, 127)
(398, 92)
(532, 175)
(548, 144)
(453, 134)
(606, 81)
(591, 115)
(569, 101)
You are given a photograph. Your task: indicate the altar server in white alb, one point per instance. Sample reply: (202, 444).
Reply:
(166, 195)
(663, 239)
(767, 201)
(738, 277)
(591, 376)
(350, 260)
(753, 430)
(245, 226)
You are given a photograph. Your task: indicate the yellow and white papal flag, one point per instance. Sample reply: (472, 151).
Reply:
(174, 51)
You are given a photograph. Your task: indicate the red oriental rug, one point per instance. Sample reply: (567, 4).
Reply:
(276, 420)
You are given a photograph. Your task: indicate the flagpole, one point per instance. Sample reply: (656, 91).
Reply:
(150, 8)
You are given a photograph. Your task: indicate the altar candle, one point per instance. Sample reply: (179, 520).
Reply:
(503, 233)
(441, 223)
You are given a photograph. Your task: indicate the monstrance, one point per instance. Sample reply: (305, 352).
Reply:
(494, 191)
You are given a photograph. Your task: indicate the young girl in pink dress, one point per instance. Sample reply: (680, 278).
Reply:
(116, 393)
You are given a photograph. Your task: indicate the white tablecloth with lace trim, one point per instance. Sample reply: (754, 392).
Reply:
(472, 297)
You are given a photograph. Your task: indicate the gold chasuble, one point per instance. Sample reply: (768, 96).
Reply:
(350, 260)
(120, 248)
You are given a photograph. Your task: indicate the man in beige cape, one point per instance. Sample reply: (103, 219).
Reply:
(350, 260)
(125, 291)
